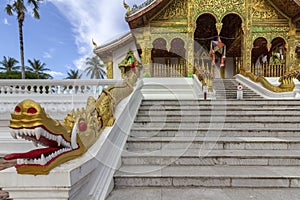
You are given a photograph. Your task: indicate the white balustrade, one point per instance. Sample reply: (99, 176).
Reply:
(54, 87)
(57, 97)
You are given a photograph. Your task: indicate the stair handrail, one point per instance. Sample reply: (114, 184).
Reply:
(286, 81)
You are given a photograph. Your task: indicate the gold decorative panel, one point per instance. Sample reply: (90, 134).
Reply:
(176, 9)
(219, 8)
(270, 32)
(263, 10)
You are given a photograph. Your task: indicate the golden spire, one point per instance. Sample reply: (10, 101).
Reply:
(94, 44)
(127, 7)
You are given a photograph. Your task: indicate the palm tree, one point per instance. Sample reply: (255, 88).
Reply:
(18, 7)
(38, 69)
(94, 68)
(9, 64)
(73, 74)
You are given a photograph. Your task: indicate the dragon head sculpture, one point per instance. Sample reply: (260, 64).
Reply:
(61, 141)
(66, 140)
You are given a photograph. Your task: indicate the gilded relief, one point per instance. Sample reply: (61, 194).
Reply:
(176, 9)
(263, 10)
(219, 7)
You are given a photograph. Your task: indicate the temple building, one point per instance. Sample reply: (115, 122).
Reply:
(215, 116)
(173, 37)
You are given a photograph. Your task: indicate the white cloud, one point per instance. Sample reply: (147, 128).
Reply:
(47, 55)
(95, 19)
(56, 74)
(5, 21)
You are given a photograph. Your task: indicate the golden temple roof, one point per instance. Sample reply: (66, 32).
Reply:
(140, 15)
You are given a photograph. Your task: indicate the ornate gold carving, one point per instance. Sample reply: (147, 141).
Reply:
(219, 7)
(176, 9)
(270, 32)
(286, 82)
(94, 44)
(70, 138)
(127, 7)
(219, 27)
(263, 10)
(271, 28)
(128, 63)
(110, 70)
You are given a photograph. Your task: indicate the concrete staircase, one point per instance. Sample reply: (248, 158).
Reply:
(227, 89)
(212, 150)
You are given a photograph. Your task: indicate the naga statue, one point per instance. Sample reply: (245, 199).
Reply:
(68, 139)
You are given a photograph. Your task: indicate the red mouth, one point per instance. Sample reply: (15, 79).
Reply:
(55, 145)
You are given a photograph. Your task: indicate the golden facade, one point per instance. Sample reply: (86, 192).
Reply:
(261, 36)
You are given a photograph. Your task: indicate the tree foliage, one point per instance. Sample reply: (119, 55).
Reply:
(9, 64)
(73, 74)
(38, 69)
(94, 68)
(19, 8)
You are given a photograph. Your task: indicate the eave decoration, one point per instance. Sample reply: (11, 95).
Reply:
(129, 63)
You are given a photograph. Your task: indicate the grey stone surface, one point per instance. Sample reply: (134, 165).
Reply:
(203, 194)
(219, 150)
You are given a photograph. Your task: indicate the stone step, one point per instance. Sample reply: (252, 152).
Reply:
(214, 143)
(234, 94)
(185, 132)
(200, 193)
(223, 106)
(216, 102)
(171, 112)
(208, 176)
(226, 89)
(200, 157)
(215, 123)
(209, 118)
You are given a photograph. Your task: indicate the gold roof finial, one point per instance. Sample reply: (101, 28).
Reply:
(94, 44)
(127, 7)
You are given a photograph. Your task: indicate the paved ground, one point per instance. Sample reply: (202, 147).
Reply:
(154, 193)
(3, 165)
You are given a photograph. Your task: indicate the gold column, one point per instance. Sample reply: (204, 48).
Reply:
(247, 37)
(297, 57)
(190, 39)
(108, 63)
(291, 48)
(110, 71)
(146, 56)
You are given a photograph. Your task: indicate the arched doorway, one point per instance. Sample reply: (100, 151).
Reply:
(259, 55)
(159, 51)
(277, 57)
(269, 63)
(232, 36)
(205, 32)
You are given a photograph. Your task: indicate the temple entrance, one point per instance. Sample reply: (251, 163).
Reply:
(230, 34)
(205, 32)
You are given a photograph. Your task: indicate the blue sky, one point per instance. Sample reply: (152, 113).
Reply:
(61, 38)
